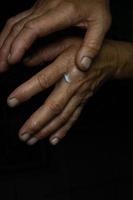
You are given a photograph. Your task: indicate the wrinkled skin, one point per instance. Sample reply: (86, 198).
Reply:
(64, 105)
(48, 16)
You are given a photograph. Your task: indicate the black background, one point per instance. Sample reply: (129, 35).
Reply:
(95, 160)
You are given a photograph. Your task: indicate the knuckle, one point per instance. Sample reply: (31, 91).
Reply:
(10, 21)
(55, 107)
(33, 126)
(42, 81)
(76, 115)
(16, 28)
(31, 26)
(63, 118)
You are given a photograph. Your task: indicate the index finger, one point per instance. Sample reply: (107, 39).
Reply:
(39, 82)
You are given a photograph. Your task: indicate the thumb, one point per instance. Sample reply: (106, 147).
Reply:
(90, 47)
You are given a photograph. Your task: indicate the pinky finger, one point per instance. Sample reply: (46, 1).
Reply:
(61, 133)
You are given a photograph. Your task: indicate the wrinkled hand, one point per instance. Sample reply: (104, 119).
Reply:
(64, 105)
(48, 16)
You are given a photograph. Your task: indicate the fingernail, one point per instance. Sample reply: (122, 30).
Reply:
(12, 102)
(54, 141)
(32, 141)
(86, 62)
(24, 137)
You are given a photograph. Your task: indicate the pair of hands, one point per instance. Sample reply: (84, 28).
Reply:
(62, 108)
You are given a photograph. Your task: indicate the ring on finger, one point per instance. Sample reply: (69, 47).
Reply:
(67, 78)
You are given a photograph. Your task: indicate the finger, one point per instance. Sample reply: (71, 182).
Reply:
(61, 133)
(6, 38)
(14, 20)
(52, 107)
(10, 23)
(48, 53)
(72, 110)
(43, 55)
(39, 82)
(91, 45)
(5, 49)
(60, 120)
(55, 20)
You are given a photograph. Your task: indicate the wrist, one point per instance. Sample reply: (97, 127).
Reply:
(107, 59)
(117, 59)
(124, 68)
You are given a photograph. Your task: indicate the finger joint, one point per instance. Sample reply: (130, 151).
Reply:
(55, 107)
(42, 82)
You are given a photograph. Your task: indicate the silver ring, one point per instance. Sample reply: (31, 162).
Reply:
(67, 78)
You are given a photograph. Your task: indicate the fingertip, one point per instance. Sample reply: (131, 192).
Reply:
(54, 141)
(24, 137)
(83, 61)
(12, 102)
(32, 141)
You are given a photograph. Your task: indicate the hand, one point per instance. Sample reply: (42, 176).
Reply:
(64, 105)
(48, 16)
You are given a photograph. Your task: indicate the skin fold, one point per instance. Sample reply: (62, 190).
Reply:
(64, 105)
(48, 16)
